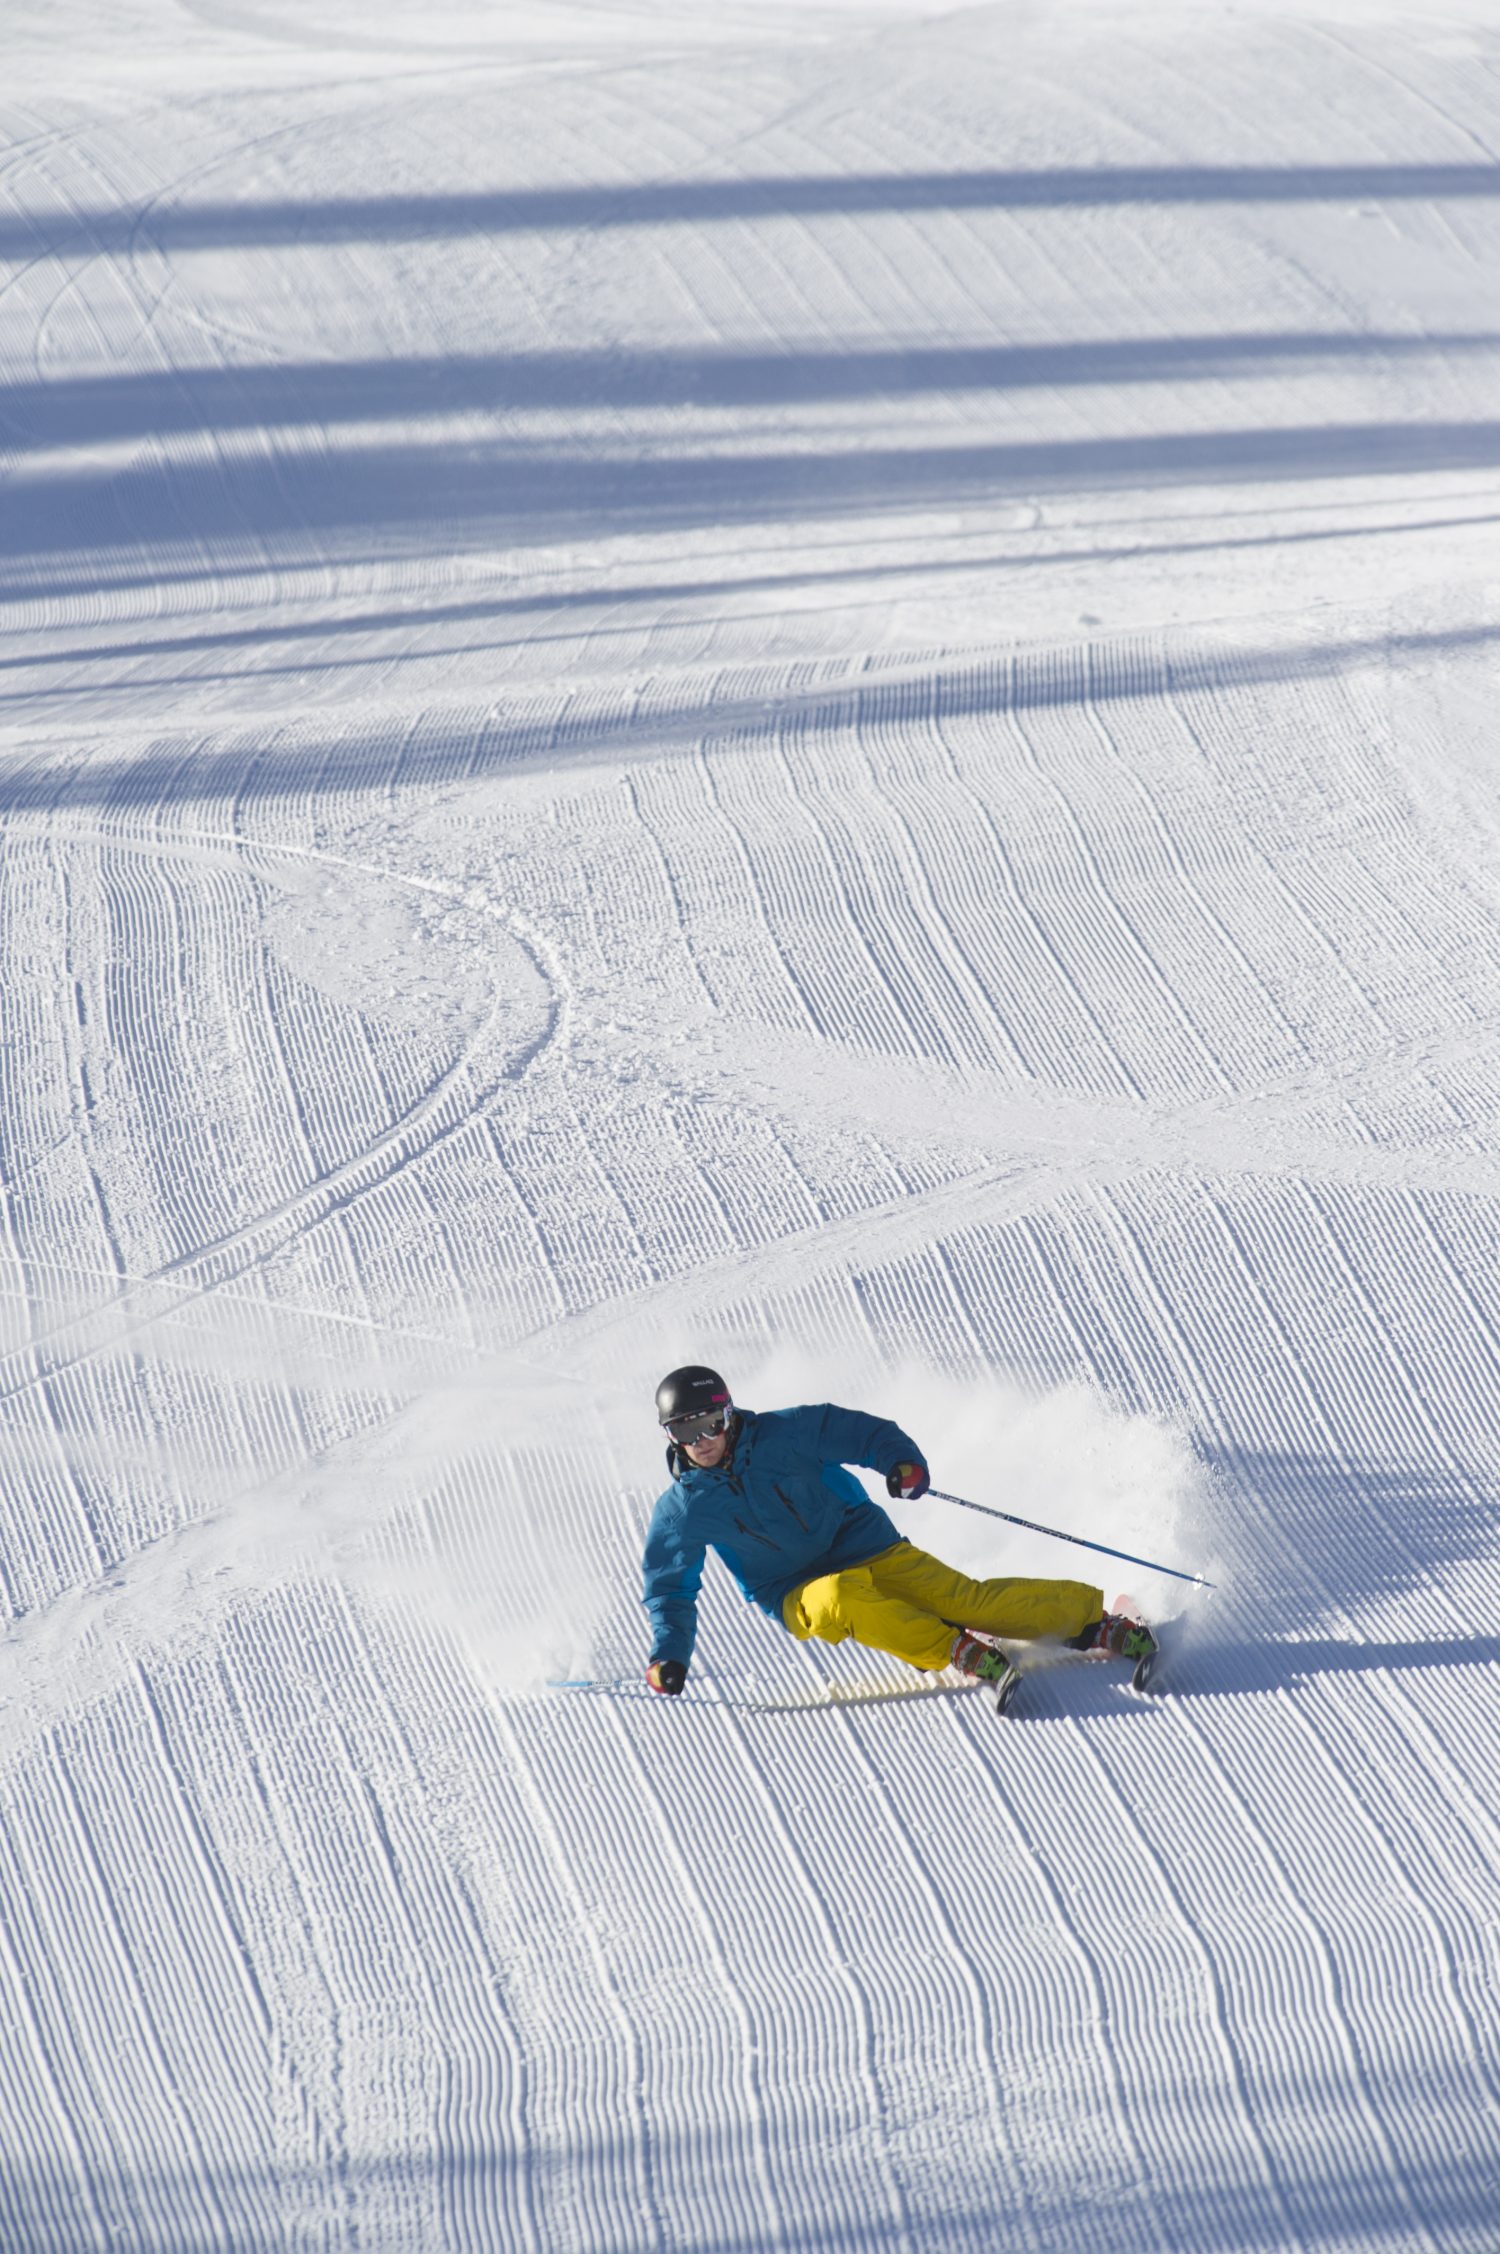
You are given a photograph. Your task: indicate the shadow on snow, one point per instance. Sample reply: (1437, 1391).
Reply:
(258, 764)
(289, 223)
(630, 2174)
(99, 409)
(397, 498)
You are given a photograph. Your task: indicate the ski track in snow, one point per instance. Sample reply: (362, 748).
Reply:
(804, 684)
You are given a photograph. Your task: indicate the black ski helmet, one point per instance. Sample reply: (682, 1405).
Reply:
(692, 1391)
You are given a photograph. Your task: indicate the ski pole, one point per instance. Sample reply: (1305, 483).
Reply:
(1032, 1527)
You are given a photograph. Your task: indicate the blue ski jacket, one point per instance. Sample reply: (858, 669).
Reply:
(780, 1510)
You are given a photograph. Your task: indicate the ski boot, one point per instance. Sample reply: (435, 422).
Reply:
(1122, 1637)
(984, 1662)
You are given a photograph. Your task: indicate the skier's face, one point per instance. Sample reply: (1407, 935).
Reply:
(709, 1449)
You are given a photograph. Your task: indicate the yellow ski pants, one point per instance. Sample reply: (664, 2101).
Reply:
(908, 1603)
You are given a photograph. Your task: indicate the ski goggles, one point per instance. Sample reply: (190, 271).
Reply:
(704, 1424)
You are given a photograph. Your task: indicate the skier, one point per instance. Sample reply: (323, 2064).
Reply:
(770, 1494)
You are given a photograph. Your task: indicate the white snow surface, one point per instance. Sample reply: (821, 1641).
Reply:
(810, 685)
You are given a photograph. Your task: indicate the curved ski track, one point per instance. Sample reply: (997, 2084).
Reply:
(584, 838)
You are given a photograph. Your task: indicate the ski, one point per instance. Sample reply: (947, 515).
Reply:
(870, 1692)
(879, 1692)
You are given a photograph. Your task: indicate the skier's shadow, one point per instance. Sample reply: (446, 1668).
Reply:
(1213, 1669)
(1231, 1670)
(1079, 1689)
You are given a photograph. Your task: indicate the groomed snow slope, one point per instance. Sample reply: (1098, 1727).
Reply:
(806, 683)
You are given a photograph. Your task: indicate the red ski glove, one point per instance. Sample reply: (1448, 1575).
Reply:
(667, 1676)
(907, 1481)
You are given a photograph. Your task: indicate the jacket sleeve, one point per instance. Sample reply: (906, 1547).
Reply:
(848, 1436)
(673, 1573)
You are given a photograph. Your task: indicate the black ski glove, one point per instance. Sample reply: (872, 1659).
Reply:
(667, 1676)
(906, 1482)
